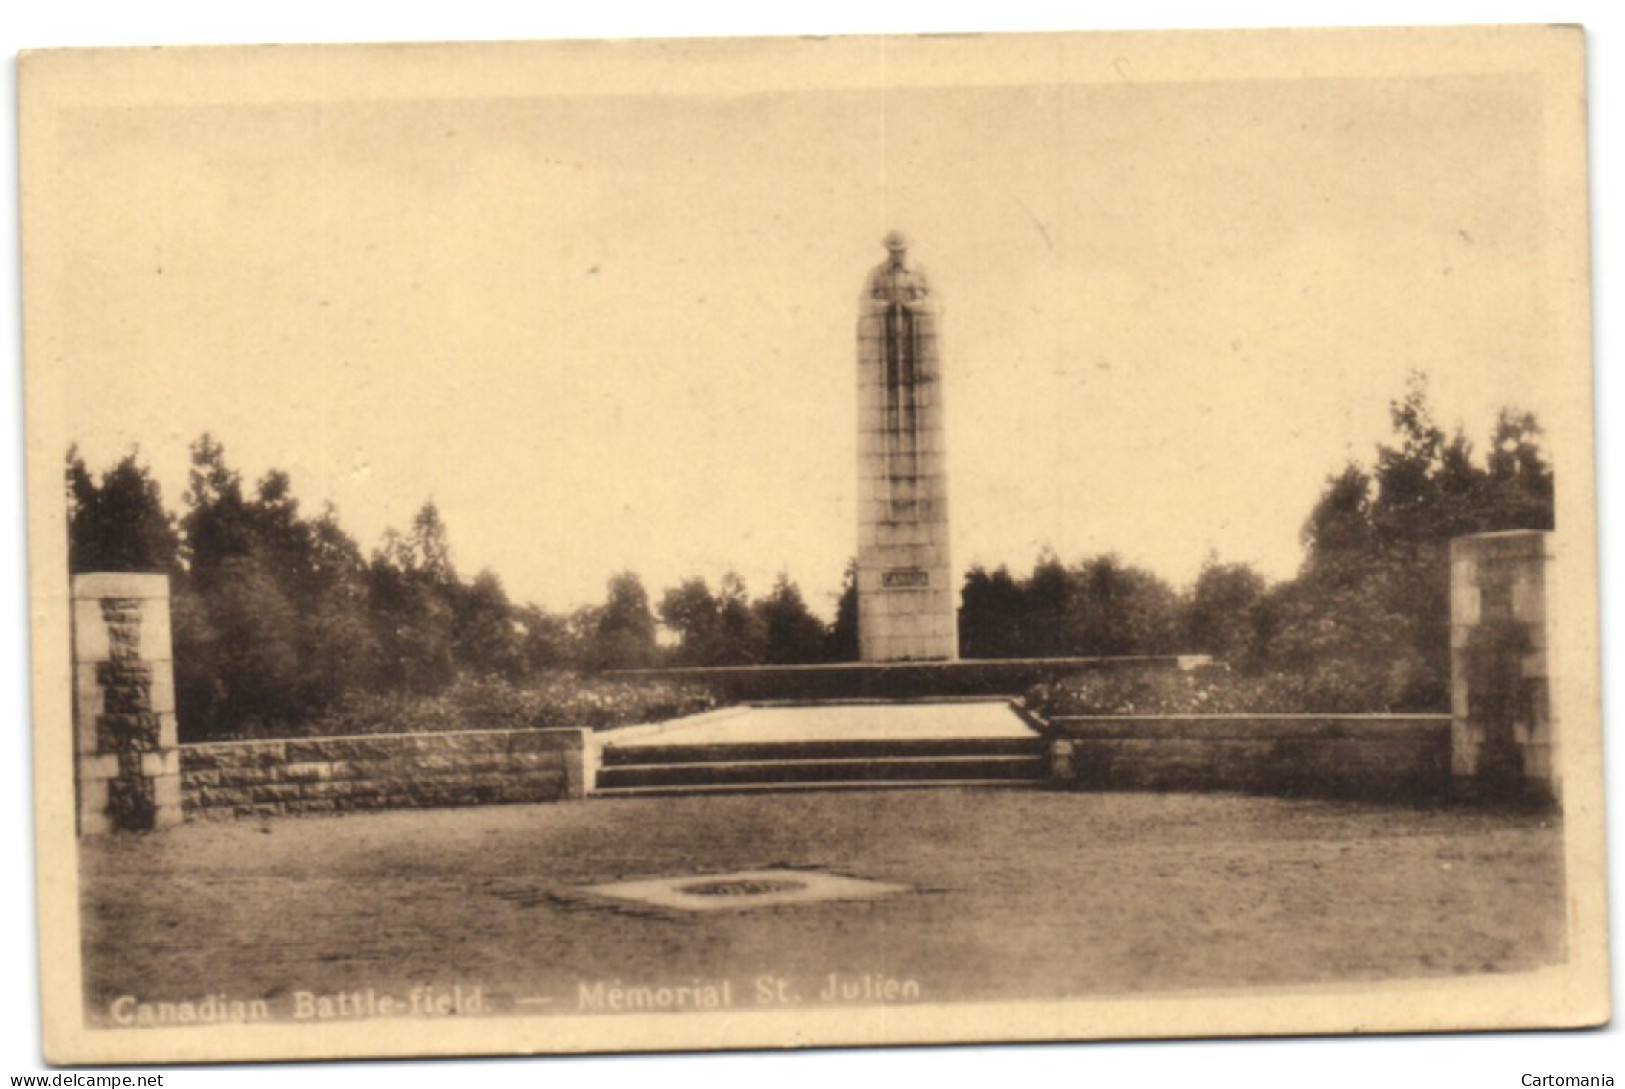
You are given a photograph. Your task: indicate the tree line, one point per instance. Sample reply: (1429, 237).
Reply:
(1365, 622)
(277, 614)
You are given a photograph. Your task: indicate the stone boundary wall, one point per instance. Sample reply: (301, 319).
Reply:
(1393, 757)
(230, 779)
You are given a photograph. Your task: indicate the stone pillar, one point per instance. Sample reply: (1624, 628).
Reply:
(1503, 740)
(126, 755)
(1063, 768)
(905, 581)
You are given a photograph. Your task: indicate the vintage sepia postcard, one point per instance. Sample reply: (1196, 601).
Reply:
(680, 545)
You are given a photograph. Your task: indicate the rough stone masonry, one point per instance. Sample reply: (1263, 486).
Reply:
(125, 745)
(226, 780)
(905, 583)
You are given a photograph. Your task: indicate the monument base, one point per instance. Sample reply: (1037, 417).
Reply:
(913, 625)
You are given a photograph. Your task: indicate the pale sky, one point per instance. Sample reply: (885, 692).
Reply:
(618, 331)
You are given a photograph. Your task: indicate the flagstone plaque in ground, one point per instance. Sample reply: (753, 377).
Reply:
(745, 889)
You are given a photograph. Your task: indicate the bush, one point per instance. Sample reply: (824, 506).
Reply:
(1215, 690)
(556, 700)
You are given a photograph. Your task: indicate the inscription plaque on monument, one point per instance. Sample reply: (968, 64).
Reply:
(902, 470)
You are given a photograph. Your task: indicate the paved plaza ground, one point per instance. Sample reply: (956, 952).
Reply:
(1009, 894)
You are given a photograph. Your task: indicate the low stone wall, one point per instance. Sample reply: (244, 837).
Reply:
(1395, 757)
(227, 780)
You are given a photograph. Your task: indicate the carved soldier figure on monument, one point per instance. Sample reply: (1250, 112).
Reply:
(897, 280)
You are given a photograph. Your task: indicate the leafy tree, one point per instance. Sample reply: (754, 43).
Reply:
(1341, 519)
(544, 640)
(791, 634)
(338, 652)
(417, 604)
(486, 634)
(412, 619)
(1100, 606)
(992, 615)
(1226, 615)
(692, 611)
(200, 688)
(119, 524)
(278, 616)
(1048, 624)
(1369, 611)
(720, 629)
(217, 525)
(841, 641)
(295, 590)
(743, 640)
(1518, 485)
(235, 630)
(623, 634)
(429, 549)
(338, 647)
(254, 633)
(581, 635)
(1118, 609)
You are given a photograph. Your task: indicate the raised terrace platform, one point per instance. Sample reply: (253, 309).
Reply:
(902, 680)
(828, 746)
(855, 721)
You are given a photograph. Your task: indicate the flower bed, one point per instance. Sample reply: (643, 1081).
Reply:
(1211, 690)
(557, 700)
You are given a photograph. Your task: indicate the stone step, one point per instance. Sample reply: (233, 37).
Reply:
(854, 749)
(982, 767)
(763, 788)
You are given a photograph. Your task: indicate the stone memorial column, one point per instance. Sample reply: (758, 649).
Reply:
(905, 581)
(1503, 740)
(126, 755)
